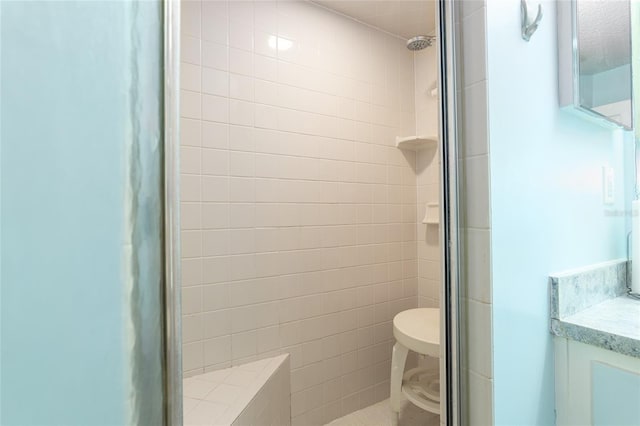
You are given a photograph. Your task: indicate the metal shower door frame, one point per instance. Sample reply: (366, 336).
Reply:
(172, 279)
(449, 200)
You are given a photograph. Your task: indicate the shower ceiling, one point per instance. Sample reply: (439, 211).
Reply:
(404, 18)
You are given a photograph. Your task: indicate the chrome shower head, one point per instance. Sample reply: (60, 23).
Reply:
(420, 42)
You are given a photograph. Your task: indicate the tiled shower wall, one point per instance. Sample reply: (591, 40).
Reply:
(475, 216)
(428, 178)
(298, 212)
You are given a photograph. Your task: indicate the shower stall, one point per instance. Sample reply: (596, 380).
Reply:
(309, 199)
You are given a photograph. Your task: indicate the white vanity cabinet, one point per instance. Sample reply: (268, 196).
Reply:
(595, 386)
(596, 338)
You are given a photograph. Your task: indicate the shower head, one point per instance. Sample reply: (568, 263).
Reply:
(420, 42)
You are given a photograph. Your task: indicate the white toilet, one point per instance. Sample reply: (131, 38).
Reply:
(417, 330)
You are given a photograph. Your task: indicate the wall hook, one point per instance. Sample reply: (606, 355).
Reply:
(528, 27)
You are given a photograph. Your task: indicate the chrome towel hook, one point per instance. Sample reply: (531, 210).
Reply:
(528, 27)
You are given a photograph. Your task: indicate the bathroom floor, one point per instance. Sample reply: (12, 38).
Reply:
(380, 415)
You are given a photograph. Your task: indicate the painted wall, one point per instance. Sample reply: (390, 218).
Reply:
(546, 206)
(80, 270)
(298, 212)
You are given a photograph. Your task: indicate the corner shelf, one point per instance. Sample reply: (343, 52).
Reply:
(415, 143)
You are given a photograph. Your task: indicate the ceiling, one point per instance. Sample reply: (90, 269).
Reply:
(400, 17)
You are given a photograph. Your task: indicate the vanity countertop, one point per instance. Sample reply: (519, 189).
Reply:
(590, 305)
(613, 324)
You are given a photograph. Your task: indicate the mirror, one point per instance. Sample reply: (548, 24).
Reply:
(594, 57)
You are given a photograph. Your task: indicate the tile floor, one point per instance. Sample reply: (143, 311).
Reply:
(380, 415)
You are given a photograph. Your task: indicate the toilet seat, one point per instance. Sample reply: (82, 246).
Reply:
(417, 330)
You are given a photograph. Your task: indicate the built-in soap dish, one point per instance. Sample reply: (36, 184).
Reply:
(415, 143)
(432, 215)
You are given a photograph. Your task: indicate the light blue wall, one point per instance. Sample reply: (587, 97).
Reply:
(546, 206)
(68, 88)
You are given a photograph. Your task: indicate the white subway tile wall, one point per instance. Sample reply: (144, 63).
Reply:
(428, 178)
(299, 230)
